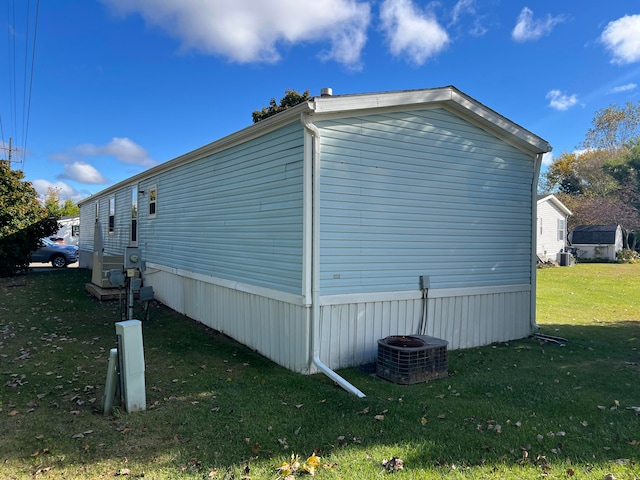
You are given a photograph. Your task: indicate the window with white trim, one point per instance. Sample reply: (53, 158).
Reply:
(561, 229)
(134, 215)
(153, 201)
(112, 214)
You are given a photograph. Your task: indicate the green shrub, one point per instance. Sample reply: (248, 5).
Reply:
(628, 256)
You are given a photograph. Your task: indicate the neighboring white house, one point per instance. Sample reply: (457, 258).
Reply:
(551, 227)
(304, 236)
(69, 229)
(597, 241)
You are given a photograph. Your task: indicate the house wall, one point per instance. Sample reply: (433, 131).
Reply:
(236, 214)
(548, 243)
(113, 242)
(421, 193)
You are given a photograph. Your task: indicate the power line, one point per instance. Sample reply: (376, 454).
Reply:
(17, 116)
(24, 79)
(33, 61)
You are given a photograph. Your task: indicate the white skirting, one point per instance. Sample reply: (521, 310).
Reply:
(277, 324)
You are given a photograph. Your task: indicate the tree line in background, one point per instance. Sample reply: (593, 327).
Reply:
(24, 219)
(600, 181)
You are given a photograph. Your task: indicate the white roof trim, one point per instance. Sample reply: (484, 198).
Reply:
(450, 97)
(447, 97)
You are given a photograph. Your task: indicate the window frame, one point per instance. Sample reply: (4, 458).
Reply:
(562, 229)
(133, 231)
(112, 214)
(152, 202)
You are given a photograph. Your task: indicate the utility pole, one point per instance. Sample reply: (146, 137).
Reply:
(11, 150)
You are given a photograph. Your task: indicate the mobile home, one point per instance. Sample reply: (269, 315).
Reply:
(312, 234)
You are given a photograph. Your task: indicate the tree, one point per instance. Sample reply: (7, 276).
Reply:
(601, 183)
(23, 220)
(58, 207)
(290, 99)
(613, 127)
(580, 174)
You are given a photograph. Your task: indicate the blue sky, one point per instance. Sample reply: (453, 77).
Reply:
(114, 87)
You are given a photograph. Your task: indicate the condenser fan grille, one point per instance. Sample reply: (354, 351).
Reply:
(411, 359)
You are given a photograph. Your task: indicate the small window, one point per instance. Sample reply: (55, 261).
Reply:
(153, 201)
(112, 214)
(561, 229)
(97, 210)
(75, 230)
(134, 215)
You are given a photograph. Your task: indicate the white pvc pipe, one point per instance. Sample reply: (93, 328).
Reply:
(315, 262)
(534, 240)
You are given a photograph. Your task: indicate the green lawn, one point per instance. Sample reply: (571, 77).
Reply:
(517, 410)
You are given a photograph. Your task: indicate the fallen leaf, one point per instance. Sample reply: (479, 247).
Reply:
(393, 464)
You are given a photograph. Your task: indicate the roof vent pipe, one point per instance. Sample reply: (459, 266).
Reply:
(326, 92)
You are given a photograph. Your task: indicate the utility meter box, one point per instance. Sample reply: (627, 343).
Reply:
(131, 364)
(132, 258)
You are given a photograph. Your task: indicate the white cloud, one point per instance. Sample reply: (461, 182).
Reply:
(622, 38)
(624, 88)
(468, 7)
(528, 28)
(412, 33)
(561, 101)
(247, 31)
(64, 189)
(123, 149)
(547, 159)
(462, 7)
(83, 173)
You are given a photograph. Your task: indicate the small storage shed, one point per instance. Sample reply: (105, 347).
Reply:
(597, 241)
(308, 235)
(551, 227)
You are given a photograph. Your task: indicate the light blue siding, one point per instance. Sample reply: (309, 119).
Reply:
(421, 193)
(236, 214)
